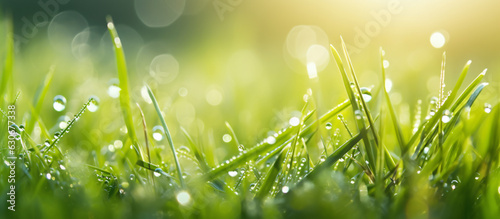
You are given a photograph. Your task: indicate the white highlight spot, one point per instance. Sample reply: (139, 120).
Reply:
(437, 40)
(183, 198)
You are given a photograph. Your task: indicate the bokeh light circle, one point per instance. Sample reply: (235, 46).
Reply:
(159, 13)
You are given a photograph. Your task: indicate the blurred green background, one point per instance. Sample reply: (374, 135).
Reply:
(244, 61)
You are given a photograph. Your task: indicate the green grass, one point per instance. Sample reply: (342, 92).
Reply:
(443, 165)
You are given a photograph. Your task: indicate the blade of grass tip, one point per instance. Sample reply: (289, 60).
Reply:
(394, 118)
(352, 98)
(231, 131)
(167, 133)
(390, 161)
(455, 105)
(124, 92)
(9, 59)
(361, 98)
(296, 141)
(455, 119)
(468, 90)
(38, 100)
(437, 116)
(145, 128)
(271, 175)
(440, 102)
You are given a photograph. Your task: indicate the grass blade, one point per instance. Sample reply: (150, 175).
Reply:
(124, 92)
(335, 156)
(355, 107)
(265, 147)
(38, 101)
(9, 60)
(394, 118)
(167, 133)
(271, 175)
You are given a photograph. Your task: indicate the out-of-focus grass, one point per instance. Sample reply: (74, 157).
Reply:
(442, 163)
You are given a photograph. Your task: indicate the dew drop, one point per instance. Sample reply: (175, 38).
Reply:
(322, 158)
(487, 108)
(232, 173)
(184, 149)
(426, 150)
(294, 121)
(271, 140)
(328, 126)
(366, 93)
(386, 64)
(94, 104)
(446, 116)
(285, 189)
(158, 172)
(388, 84)
(111, 148)
(158, 133)
(132, 177)
(434, 100)
(358, 114)
(114, 89)
(59, 103)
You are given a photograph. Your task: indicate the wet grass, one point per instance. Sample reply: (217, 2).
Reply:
(369, 167)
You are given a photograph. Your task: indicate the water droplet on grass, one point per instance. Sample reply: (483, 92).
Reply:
(487, 108)
(59, 103)
(386, 64)
(285, 189)
(322, 158)
(447, 115)
(158, 133)
(388, 84)
(132, 177)
(366, 93)
(158, 172)
(358, 114)
(328, 126)
(114, 89)
(94, 104)
(232, 173)
(294, 121)
(271, 140)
